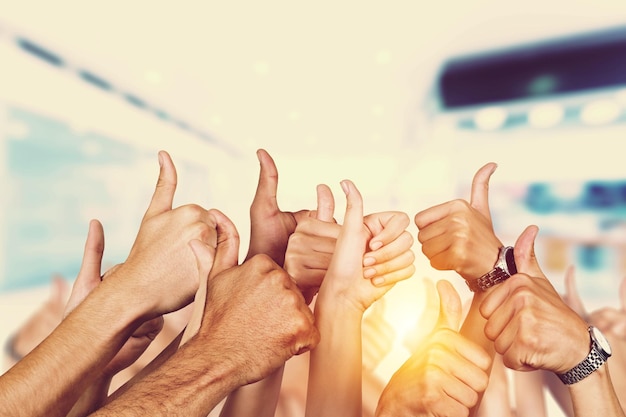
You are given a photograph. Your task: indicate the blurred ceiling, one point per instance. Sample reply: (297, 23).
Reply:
(320, 78)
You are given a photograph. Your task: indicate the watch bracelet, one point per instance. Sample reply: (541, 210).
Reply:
(589, 365)
(496, 276)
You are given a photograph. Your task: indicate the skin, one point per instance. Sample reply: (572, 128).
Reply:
(256, 320)
(89, 277)
(304, 241)
(458, 235)
(335, 373)
(445, 375)
(612, 323)
(111, 313)
(532, 328)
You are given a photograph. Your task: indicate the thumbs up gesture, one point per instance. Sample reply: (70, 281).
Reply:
(254, 312)
(529, 323)
(458, 235)
(445, 375)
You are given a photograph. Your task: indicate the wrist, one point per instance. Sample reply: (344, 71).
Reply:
(339, 302)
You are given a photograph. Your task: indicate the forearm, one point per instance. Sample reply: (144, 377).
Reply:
(473, 328)
(335, 367)
(45, 382)
(154, 364)
(595, 396)
(191, 383)
(92, 399)
(529, 394)
(257, 400)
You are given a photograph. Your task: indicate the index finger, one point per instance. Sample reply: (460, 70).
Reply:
(385, 227)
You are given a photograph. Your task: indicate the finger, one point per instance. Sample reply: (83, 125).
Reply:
(432, 214)
(391, 274)
(450, 308)
(525, 258)
(480, 189)
(90, 269)
(496, 296)
(386, 227)
(325, 203)
(227, 250)
(572, 298)
(58, 292)
(267, 186)
(163, 196)
(353, 219)
(622, 293)
(205, 256)
(390, 251)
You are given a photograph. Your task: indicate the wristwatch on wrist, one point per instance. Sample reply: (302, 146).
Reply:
(504, 268)
(600, 351)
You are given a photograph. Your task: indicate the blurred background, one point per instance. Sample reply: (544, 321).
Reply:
(406, 98)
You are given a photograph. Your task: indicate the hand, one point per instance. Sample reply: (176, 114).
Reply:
(161, 265)
(427, 319)
(256, 315)
(344, 279)
(41, 323)
(445, 376)
(378, 336)
(531, 327)
(458, 235)
(312, 245)
(88, 279)
(270, 227)
(228, 242)
(390, 258)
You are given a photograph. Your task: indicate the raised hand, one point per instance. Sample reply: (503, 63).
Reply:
(445, 375)
(427, 319)
(312, 245)
(344, 278)
(390, 258)
(530, 325)
(270, 227)
(40, 324)
(458, 235)
(89, 277)
(256, 314)
(378, 336)
(161, 265)
(228, 244)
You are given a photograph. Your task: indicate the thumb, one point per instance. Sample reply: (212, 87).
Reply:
(479, 198)
(450, 308)
(205, 256)
(525, 258)
(353, 219)
(571, 297)
(90, 269)
(227, 250)
(163, 196)
(427, 319)
(268, 181)
(325, 204)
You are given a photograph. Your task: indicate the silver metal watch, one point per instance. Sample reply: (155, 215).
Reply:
(503, 269)
(599, 352)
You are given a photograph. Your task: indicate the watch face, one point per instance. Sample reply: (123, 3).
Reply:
(601, 340)
(510, 261)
